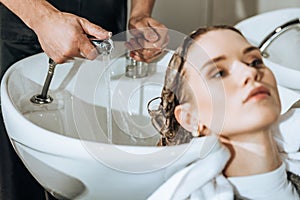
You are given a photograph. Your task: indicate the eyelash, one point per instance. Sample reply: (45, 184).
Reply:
(219, 74)
(257, 63)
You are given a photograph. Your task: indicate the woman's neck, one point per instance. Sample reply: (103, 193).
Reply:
(251, 153)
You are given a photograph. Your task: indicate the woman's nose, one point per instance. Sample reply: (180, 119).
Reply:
(248, 73)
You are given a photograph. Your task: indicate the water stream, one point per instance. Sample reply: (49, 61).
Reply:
(107, 79)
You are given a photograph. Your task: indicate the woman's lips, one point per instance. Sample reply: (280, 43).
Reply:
(257, 93)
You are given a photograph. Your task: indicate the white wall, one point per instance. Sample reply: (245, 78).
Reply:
(267, 5)
(186, 15)
(181, 15)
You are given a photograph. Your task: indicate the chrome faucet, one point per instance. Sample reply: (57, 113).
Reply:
(104, 47)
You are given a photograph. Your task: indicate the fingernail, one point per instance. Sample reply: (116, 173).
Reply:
(82, 54)
(109, 34)
(152, 36)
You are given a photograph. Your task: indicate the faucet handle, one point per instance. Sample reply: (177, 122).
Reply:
(104, 47)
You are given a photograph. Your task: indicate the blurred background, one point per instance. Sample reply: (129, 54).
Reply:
(186, 15)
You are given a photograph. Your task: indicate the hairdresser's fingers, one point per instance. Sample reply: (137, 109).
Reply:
(160, 30)
(135, 44)
(162, 33)
(149, 29)
(128, 46)
(94, 30)
(140, 26)
(153, 36)
(86, 48)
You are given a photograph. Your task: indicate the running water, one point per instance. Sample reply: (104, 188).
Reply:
(107, 79)
(104, 48)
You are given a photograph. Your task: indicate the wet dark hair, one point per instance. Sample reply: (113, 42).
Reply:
(174, 92)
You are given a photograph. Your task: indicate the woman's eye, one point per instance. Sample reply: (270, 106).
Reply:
(256, 63)
(219, 74)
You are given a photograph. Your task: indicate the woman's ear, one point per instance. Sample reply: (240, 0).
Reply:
(189, 120)
(186, 117)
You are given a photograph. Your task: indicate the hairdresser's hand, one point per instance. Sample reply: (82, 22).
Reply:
(63, 36)
(149, 38)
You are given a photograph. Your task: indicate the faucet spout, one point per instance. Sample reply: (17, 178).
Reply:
(104, 47)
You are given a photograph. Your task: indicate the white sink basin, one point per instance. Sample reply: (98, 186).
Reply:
(283, 53)
(65, 144)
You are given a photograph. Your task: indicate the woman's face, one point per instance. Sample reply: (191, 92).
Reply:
(235, 91)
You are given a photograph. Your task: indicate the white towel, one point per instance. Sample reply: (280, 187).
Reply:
(288, 98)
(202, 179)
(287, 131)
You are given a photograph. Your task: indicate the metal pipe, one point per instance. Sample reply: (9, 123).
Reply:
(274, 34)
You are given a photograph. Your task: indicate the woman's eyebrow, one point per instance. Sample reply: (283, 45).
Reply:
(212, 61)
(251, 48)
(220, 58)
